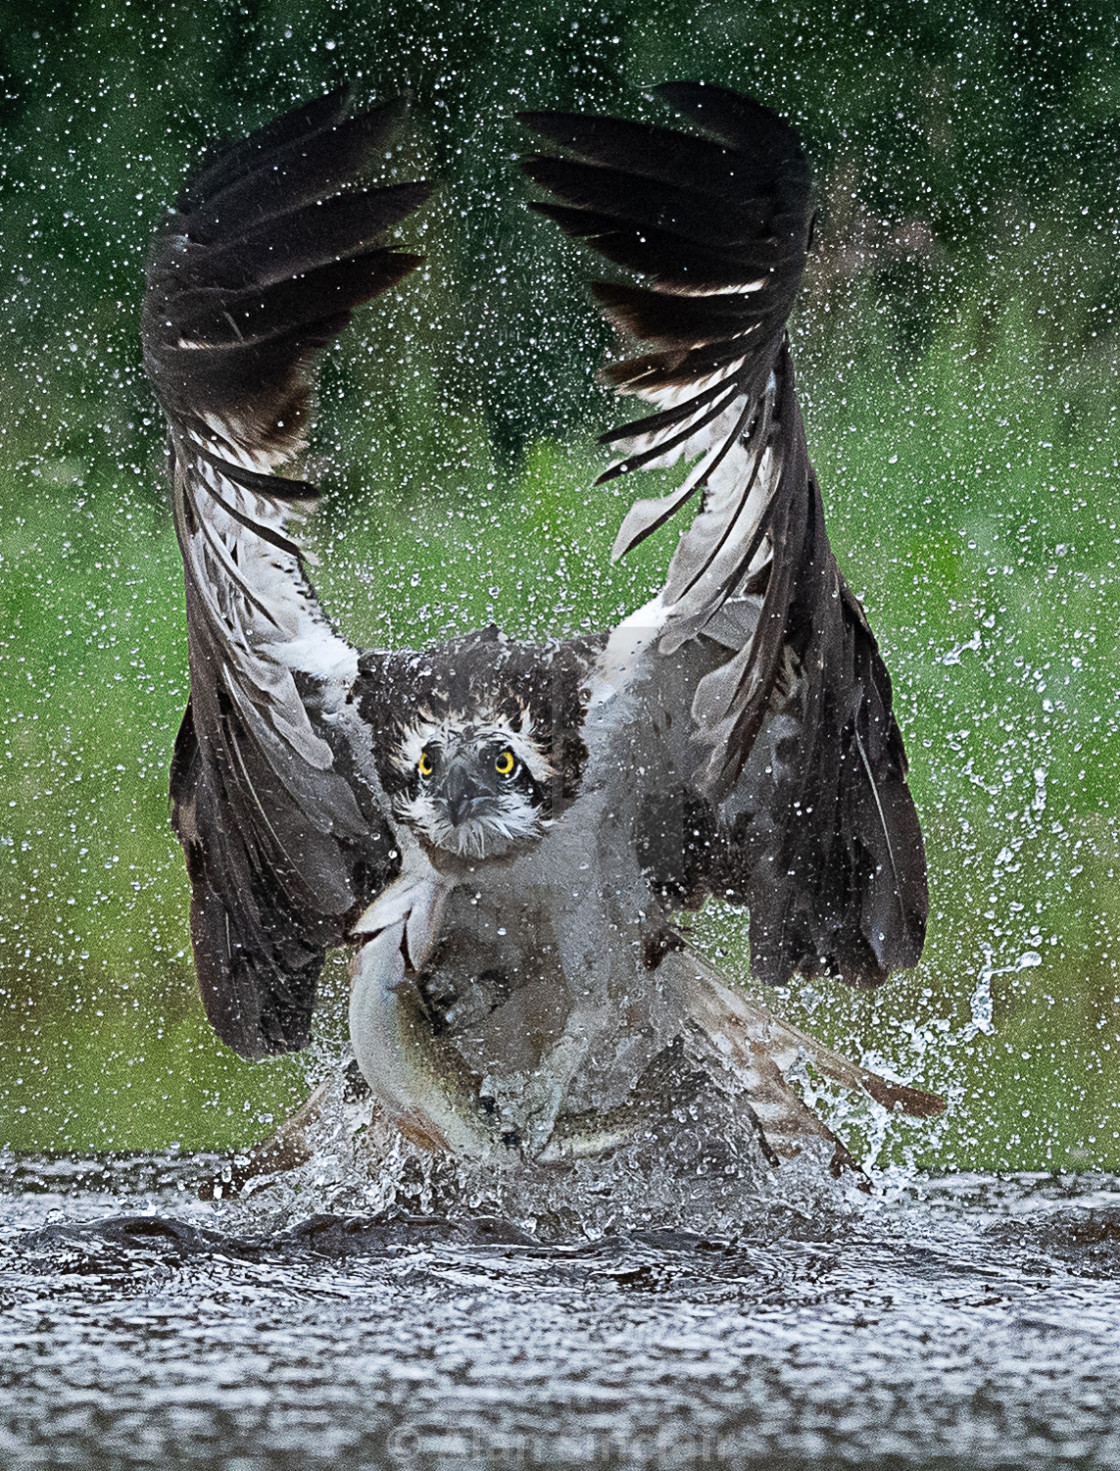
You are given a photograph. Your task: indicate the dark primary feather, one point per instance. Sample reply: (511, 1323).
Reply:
(271, 247)
(262, 263)
(239, 184)
(240, 159)
(823, 845)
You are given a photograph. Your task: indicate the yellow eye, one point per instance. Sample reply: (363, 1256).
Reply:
(424, 765)
(505, 763)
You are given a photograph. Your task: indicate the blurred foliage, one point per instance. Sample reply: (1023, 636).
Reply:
(957, 354)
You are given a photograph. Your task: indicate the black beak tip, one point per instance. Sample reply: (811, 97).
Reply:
(457, 810)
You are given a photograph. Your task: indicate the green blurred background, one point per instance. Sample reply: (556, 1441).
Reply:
(957, 350)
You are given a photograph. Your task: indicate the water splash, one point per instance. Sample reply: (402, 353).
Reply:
(980, 1002)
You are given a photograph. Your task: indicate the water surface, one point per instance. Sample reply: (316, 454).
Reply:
(967, 1322)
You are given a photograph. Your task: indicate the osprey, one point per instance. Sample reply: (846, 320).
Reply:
(504, 831)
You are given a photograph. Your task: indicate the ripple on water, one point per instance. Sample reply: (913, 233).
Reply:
(971, 1322)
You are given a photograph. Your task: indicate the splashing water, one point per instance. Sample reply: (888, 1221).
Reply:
(693, 1170)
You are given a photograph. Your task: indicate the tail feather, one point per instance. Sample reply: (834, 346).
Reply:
(758, 1051)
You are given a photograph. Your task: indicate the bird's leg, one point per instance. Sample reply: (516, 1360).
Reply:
(527, 1104)
(592, 1015)
(286, 1149)
(457, 1005)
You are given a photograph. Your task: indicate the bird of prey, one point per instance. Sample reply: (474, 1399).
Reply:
(504, 832)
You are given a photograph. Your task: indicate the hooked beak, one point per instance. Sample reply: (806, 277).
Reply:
(457, 791)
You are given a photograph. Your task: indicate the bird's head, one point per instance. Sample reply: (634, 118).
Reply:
(475, 786)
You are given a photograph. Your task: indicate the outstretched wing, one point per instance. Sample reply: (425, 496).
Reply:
(268, 251)
(794, 748)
